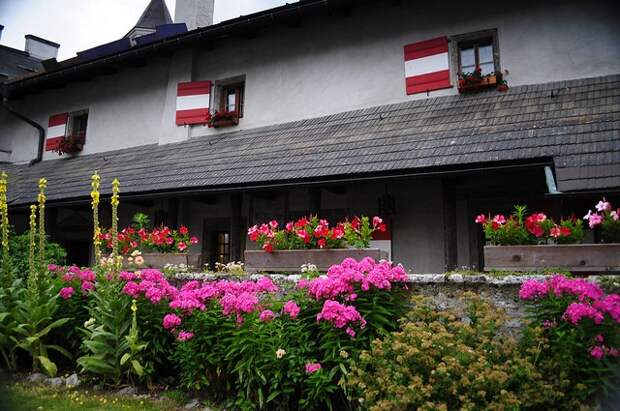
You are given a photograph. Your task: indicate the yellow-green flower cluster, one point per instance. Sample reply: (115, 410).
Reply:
(32, 245)
(4, 223)
(41, 199)
(115, 201)
(94, 195)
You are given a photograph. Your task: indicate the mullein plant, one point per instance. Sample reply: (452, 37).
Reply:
(35, 316)
(94, 195)
(11, 289)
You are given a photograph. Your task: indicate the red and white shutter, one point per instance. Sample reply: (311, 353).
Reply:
(56, 131)
(427, 66)
(193, 102)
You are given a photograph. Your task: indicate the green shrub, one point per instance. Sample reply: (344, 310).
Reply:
(446, 360)
(19, 246)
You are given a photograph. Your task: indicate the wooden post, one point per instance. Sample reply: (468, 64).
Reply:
(449, 221)
(315, 201)
(235, 226)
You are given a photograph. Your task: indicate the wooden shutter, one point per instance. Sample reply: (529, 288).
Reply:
(56, 131)
(427, 66)
(193, 102)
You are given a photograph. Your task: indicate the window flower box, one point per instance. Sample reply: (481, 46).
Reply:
(604, 258)
(72, 144)
(280, 261)
(475, 82)
(223, 119)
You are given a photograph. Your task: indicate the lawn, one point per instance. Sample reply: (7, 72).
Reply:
(23, 396)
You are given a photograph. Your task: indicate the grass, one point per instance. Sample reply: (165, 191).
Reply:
(23, 396)
(501, 274)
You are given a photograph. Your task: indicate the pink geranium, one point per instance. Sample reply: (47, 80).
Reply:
(312, 367)
(171, 321)
(266, 315)
(291, 308)
(185, 335)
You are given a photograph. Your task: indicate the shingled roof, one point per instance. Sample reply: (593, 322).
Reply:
(574, 123)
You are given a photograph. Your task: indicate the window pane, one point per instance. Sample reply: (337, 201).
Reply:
(487, 68)
(231, 99)
(468, 60)
(486, 54)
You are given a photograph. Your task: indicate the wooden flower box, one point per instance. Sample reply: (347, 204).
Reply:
(291, 260)
(603, 258)
(159, 260)
(472, 86)
(226, 121)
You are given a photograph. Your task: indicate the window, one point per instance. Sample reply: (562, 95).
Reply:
(77, 125)
(476, 50)
(480, 54)
(232, 99)
(222, 247)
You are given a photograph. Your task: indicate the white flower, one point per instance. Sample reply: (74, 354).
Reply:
(89, 322)
(587, 216)
(603, 205)
(344, 354)
(280, 353)
(614, 215)
(136, 253)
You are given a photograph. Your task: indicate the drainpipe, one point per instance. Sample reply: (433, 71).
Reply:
(34, 124)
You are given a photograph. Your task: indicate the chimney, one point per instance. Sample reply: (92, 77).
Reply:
(41, 48)
(1, 28)
(194, 13)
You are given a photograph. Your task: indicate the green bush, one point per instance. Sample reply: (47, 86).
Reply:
(18, 246)
(447, 360)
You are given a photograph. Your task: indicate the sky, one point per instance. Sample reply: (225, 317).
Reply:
(81, 24)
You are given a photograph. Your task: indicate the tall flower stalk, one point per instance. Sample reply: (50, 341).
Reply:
(114, 202)
(94, 195)
(7, 277)
(32, 246)
(41, 199)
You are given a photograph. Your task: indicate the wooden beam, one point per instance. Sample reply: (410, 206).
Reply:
(235, 226)
(449, 225)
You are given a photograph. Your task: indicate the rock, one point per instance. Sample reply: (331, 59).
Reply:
(36, 378)
(54, 382)
(194, 403)
(127, 391)
(456, 278)
(72, 381)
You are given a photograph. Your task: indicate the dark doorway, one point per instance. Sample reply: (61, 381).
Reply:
(216, 241)
(78, 252)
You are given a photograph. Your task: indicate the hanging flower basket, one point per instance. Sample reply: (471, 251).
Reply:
(223, 119)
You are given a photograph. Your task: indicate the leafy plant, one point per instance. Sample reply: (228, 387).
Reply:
(449, 359)
(18, 244)
(607, 219)
(110, 351)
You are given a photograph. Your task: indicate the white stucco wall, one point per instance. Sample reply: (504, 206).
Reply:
(327, 65)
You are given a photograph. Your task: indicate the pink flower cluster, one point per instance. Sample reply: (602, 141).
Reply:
(342, 278)
(604, 212)
(74, 278)
(341, 316)
(149, 283)
(291, 308)
(589, 302)
(560, 286)
(312, 367)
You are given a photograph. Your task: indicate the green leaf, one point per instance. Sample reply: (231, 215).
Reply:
(137, 368)
(49, 366)
(124, 358)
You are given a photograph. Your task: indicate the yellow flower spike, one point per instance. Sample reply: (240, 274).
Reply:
(32, 275)
(4, 229)
(114, 202)
(94, 194)
(41, 199)
(134, 305)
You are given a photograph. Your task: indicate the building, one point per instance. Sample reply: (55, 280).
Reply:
(341, 107)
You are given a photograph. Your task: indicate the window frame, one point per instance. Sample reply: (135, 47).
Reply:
(475, 38)
(220, 94)
(71, 119)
